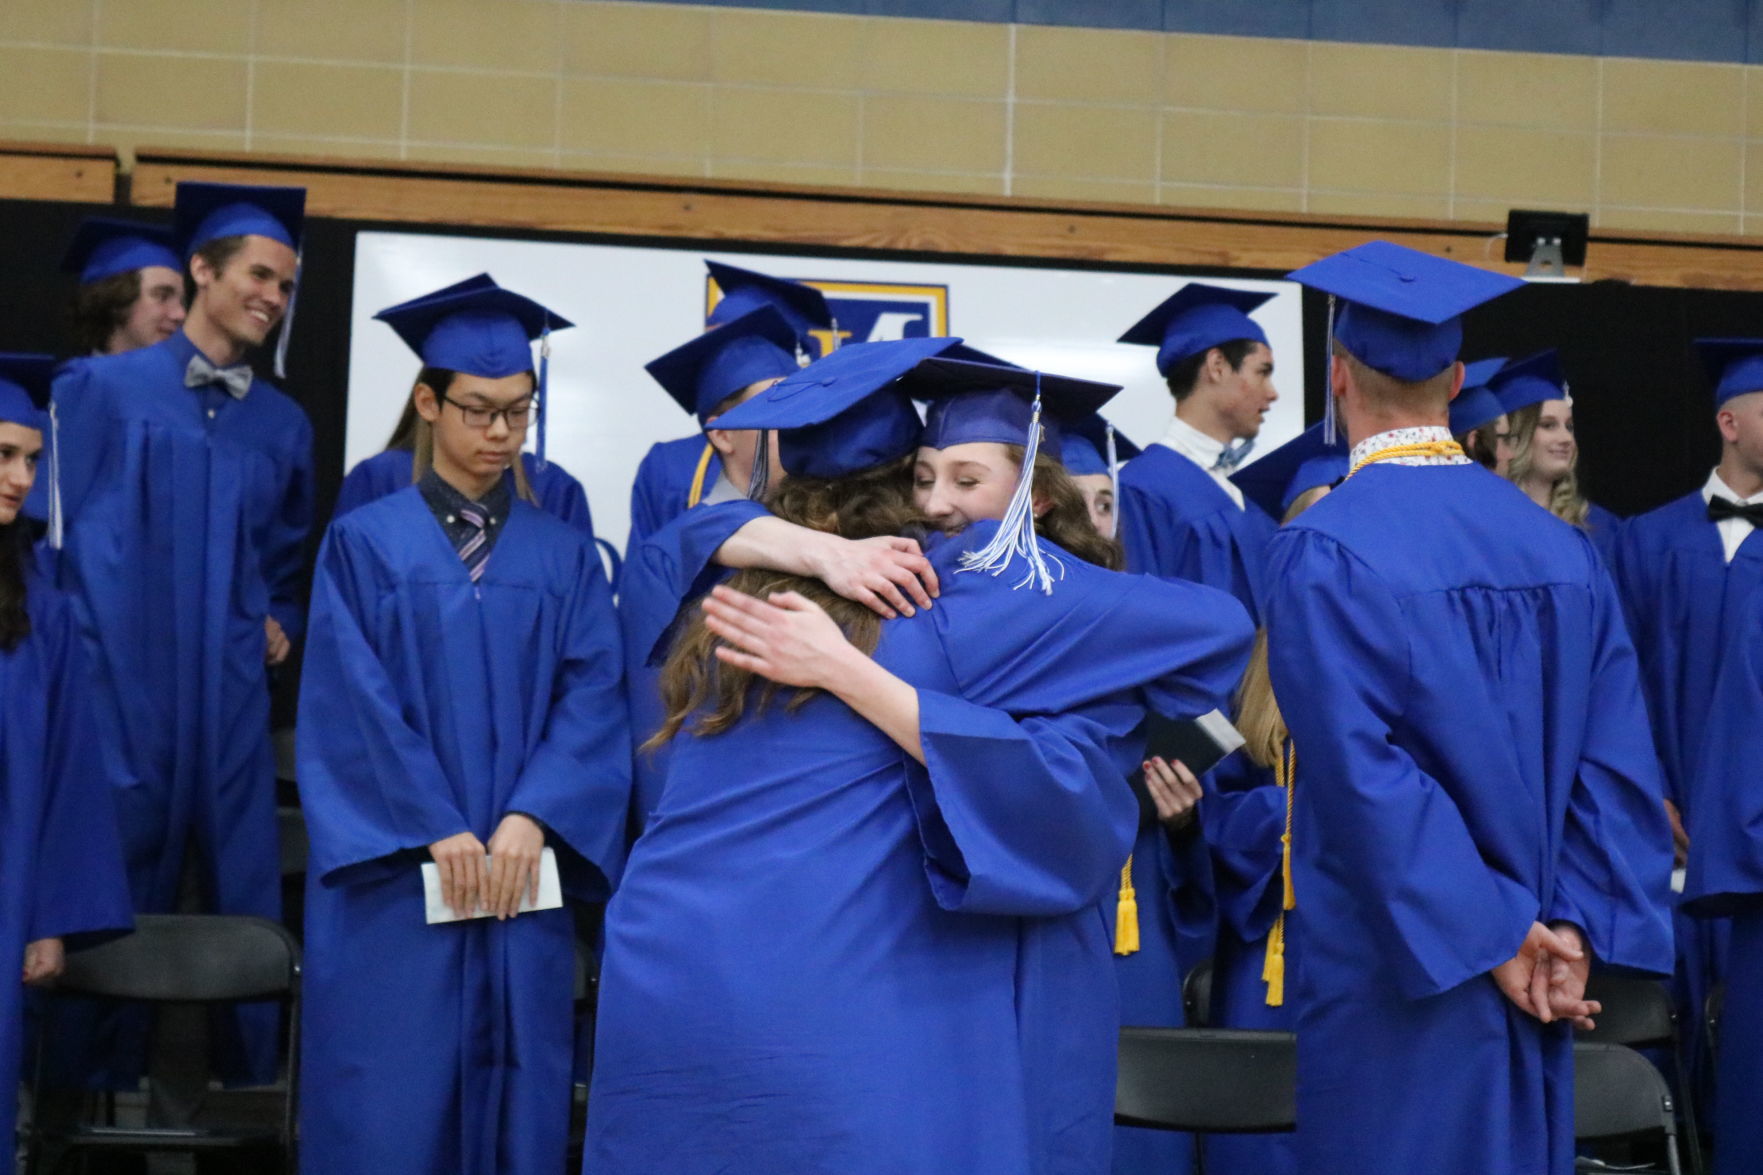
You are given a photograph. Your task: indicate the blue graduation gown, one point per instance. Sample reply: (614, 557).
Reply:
(671, 479)
(187, 517)
(1725, 880)
(825, 957)
(1176, 521)
(430, 707)
(1604, 528)
(1472, 756)
(1684, 602)
(559, 493)
(61, 866)
(1242, 818)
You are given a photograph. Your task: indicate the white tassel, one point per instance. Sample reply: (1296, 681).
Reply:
(281, 344)
(761, 475)
(56, 524)
(1016, 533)
(1114, 476)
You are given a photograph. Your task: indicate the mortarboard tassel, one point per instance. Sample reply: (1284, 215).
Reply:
(1328, 422)
(761, 474)
(1126, 914)
(544, 376)
(56, 522)
(1016, 533)
(281, 343)
(1273, 967)
(836, 341)
(1113, 456)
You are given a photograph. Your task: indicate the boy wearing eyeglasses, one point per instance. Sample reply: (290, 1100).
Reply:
(462, 711)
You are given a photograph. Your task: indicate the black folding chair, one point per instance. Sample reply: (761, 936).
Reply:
(1196, 995)
(1619, 1094)
(1640, 1013)
(1207, 1080)
(182, 958)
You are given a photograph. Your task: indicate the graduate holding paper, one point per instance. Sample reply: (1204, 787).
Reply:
(1477, 812)
(542, 482)
(461, 704)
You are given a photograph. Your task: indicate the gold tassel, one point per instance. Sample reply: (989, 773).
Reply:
(1126, 915)
(1273, 967)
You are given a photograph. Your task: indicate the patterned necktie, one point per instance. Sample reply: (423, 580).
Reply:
(1232, 456)
(235, 379)
(1720, 509)
(475, 551)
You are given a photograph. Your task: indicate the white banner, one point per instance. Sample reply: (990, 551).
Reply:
(632, 304)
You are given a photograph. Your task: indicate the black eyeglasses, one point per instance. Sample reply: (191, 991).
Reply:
(517, 416)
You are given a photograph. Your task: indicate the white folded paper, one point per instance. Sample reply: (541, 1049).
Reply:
(550, 891)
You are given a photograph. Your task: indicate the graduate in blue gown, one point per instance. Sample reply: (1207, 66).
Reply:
(718, 369)
(1543, 452)
(1180, 515)
(676, 475)
(61, 868)
(1092, 451)
(187, 487)
(936, 865)
(1477, 812)
(461, 696)
(131, 285)
(1725, 881)
(546, 484)
(1687, 571)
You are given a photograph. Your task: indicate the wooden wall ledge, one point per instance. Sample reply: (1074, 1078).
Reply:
(52, 171)
(849, 218)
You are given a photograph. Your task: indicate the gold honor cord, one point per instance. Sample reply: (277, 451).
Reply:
(1419, 449)
(1126, 914)
(696, 494)
(1273, 968)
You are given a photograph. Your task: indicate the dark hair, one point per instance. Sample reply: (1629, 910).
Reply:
(1184, 376)
(1479, 442)
(438, 379)
(15, 561)
(875, 502)
(220, 250)
(100, 307)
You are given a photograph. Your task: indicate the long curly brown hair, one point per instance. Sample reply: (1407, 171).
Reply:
(870, 504)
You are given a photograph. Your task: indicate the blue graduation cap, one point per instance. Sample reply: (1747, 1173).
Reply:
(846, 412)
(25, 381)
(1195, 319)
(744, 290)
(208, 212)
(704, 372)
(1528, 381)
(1476, 404)
(478, 328)
(1085, 443)
(1401, 309)
(1274, 481)
(1734, 366)
(104, 247)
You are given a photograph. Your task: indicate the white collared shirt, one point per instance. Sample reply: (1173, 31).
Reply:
(723, 490)
(1733, 531)
(1424, 434)
(1203, 451)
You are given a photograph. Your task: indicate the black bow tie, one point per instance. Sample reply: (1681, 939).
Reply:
(1720, 509)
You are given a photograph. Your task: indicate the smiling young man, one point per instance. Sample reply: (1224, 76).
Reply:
(462, 703)
(186, 484)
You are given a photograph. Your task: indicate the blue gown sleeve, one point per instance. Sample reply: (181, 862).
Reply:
(560, 494)
(1633, 565)
(678, 563)
(79, 412)
(80, 886)
(1242, 817)
(647, 512)
(358, 489)
(284, 540)
(1340, 662)
(1023, 805)
(1726, 825)
(577, 781)
(370, 783)
(1613, 879)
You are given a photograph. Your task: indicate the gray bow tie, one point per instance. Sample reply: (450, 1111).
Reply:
(1233, 456)
(200, 373)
